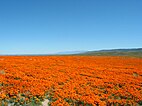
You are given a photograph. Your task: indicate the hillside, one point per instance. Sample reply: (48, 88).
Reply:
(115, 52)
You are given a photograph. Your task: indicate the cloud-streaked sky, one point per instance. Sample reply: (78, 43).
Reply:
(49, 26)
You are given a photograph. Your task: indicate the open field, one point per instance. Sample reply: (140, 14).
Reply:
(70, 80)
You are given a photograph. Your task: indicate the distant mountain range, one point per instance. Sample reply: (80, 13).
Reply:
(70, 52)
(136, 52)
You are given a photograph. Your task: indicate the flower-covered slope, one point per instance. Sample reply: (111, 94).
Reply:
(70, 80)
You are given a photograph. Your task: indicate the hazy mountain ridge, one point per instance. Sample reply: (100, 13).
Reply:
(71, 52)
(137, 52)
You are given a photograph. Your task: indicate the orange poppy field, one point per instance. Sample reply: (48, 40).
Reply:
(70, 80)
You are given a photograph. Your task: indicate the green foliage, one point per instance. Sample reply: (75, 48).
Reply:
(140, 103)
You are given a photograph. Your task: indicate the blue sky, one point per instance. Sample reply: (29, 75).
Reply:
(49, 26)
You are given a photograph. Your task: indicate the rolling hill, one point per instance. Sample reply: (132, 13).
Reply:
(137, 52)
